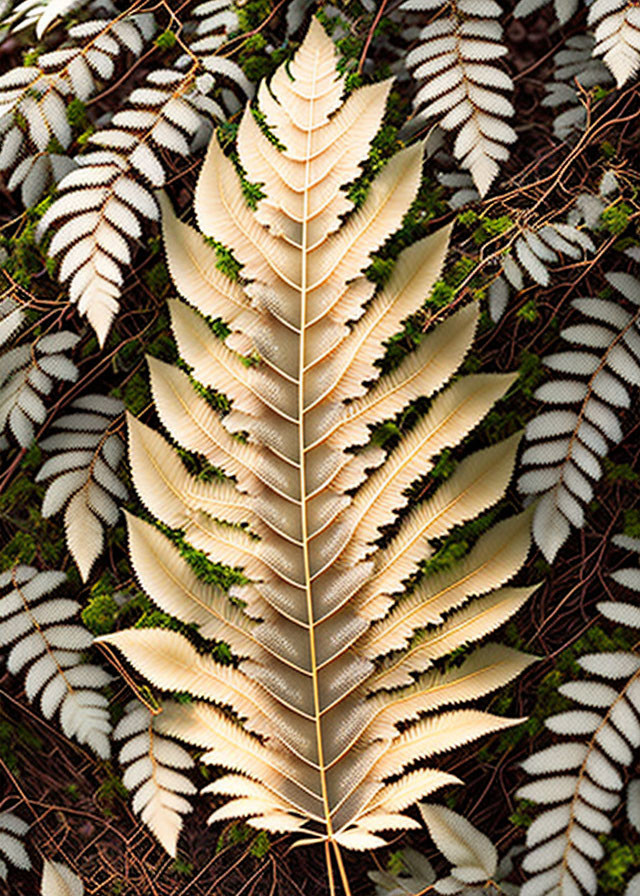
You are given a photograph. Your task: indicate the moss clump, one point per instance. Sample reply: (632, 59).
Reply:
(100, 614)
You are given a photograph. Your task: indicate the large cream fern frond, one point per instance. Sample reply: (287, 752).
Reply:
(333, 656)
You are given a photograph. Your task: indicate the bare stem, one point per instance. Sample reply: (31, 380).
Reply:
(342, 869)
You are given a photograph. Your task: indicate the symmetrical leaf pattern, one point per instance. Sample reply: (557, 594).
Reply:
(569, 441)
(329, 666)
(85, 455)
(27, 375)
(464, 86)
(12, 850)
(104, 204)
(581, 779)
(617, 35)
(151, 761)
(34, 99)
(34, 627)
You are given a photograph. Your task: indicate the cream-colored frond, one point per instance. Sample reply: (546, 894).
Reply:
(495, 558)
(420, 373)
(163, 572)
(488, 668)
(338, 147)
(453, 415)
(404, 792)
(438, 734)
(476, 620)
(478, 483)
(193, 268)
(171, 663)
(297, 511)
(169, 491)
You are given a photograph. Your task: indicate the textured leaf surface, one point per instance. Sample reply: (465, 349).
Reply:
(313, 510)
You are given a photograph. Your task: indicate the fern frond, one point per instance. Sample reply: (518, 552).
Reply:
(12, 850)
(35, 628)
(465, 88)
(474, 857)
(472, 854)
(617, 36)
(85, 455)
(569, 441)
(582, 778)
(34, 99)
(151, 761)
(27, 375)
(103, 205)
(318, 577)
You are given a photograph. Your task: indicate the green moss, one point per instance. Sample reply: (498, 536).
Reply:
(530, 373)
(252, 14)
(100, 614)
(30, 57)
(615, 219)
(261, 845)
(157, 279)
(491, 227)
(621, 861)
(619, 472)
(529, 311)
(111, 792)
(77, 114)
(607, 149)
(166, 40)
(182, 867)
(631, 525)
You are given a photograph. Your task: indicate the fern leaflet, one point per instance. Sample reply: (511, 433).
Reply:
(86, 453)
(12, 850)
(581, 779)
(151, 761)
(35, 628)
(464, 87)
(568, 442)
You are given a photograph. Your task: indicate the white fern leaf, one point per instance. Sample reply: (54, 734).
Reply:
(103, 207)
(617, 37)
(39, 95)
(533, 253)
(151, 760)
(12, 850)
(581, 780)
(27, 376)
(472, 854)
(59, 880)
(41, 13)
(564, 460)
(463, 87)
(40, 639)
(85, 454)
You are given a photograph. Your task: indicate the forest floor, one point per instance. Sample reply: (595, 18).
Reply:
(78, 807)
